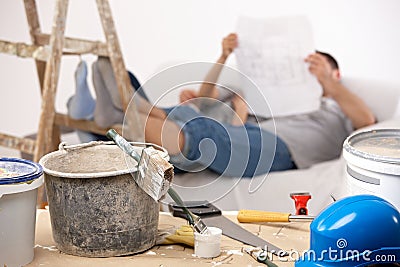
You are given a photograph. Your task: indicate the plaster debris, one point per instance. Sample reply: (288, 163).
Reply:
(151, 253)
(51, 248)
(279, 234)
(234, 252)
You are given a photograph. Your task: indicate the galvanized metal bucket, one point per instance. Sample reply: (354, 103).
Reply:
(96, 207)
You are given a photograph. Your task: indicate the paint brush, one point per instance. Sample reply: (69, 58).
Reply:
(154, 173)
(195, 221)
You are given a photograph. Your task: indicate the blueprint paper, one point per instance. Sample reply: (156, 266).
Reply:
(271, 53)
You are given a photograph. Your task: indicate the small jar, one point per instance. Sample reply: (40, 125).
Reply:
(208, 245)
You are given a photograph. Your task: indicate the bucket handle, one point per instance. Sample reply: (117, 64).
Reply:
(64, 147)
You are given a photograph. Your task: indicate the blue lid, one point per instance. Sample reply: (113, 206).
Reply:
(13, 170)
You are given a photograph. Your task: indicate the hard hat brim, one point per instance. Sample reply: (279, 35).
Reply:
(394, 252)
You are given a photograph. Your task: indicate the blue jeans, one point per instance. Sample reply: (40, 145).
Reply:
(239, 151)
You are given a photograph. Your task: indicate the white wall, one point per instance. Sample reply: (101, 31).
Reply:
(362, 34)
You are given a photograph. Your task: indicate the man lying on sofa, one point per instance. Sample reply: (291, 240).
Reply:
(242, 147)
(313, 137)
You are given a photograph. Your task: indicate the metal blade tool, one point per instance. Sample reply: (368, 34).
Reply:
(212, 216)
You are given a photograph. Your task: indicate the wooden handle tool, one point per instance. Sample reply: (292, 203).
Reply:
(257, 216)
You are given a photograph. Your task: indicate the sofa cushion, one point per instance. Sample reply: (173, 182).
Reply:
(383, 98)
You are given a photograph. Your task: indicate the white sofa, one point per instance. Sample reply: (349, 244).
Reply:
(324, 180)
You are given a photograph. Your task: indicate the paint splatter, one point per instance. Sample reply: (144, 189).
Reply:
(4, 173)
(234, 252)
(51, 248)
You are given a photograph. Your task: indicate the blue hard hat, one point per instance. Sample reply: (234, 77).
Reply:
(354, 231)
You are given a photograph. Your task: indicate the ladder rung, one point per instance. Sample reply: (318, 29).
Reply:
(25, 50)
(25, 145)
(84, 125)
(76, 45)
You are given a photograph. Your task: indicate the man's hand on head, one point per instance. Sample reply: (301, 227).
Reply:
(322, 70)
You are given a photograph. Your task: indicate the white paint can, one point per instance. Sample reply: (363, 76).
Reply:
(373, 164)
(19, 183)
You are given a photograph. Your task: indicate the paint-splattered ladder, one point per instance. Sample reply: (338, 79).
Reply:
(47, 51)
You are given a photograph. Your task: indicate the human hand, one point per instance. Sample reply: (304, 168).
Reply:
(229, 43)
(320, 67)
(187, 94)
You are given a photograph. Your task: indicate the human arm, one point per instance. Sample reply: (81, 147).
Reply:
(207, 88)
(241, 110)
(351, 105)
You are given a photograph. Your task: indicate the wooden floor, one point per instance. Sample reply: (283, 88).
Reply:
(288, 236)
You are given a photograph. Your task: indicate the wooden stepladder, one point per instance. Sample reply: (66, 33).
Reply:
(47, 50)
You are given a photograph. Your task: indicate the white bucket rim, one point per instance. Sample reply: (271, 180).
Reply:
(369, 161)
(63, 148)
(29, 179)
(21, 187)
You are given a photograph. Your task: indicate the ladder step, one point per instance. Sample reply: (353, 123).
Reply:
(84, 125)
(42, 51)
(25, 50)
(25, 145)
(76, 46)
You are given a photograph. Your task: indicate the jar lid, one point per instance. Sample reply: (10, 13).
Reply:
(14, 170)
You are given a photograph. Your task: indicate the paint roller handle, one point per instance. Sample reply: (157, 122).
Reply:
(250, 216)
(123, 144)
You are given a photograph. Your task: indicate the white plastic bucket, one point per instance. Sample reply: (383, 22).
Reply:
(19, 180)
(373, 164)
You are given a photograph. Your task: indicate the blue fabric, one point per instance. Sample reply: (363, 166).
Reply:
(136, 85)
(240, 151)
